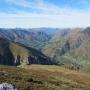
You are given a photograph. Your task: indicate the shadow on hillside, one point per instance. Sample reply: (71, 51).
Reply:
(6, 56)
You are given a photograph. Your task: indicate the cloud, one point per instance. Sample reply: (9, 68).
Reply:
(45, 20)
(38, 6)
(42, 6)
(46, 15)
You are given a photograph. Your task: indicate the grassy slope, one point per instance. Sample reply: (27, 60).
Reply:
(25, 52)
(78, 52)
(44, 77)
(19, 50)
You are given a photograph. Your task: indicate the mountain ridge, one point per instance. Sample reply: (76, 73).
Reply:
(68, 46)
(15, 54)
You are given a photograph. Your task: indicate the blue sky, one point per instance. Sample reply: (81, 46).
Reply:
(44, 13)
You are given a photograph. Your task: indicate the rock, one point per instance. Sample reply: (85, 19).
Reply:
(6, 86)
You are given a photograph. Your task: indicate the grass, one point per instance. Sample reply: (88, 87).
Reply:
(44, 77)
(79, 61)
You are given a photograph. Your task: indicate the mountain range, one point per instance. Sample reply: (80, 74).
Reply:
(55, 46)
(72, 48)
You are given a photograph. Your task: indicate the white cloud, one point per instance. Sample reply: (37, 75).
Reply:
(38, 5)
(45, 20)
(50, 16)
(41, 6)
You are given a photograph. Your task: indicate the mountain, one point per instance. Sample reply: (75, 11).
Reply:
(12, 53)
(30, 38)
(73, 48)
(47, 30)
(63, 46)
(56, 42)
(34, 37)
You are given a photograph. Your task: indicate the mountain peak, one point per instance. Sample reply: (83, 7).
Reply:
(87, 30)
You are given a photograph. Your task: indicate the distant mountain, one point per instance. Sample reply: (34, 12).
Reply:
(87, 30)
(56, 42)
(15, 54)
(26, 37)
(73, 48)
(35, 37)
(63, 46)
(47, 30)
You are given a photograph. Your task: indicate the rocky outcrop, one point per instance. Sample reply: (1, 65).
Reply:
(6, 86)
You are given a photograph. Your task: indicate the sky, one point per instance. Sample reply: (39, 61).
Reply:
(44, 13)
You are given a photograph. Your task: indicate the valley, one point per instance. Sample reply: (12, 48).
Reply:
(44, 44)
(41, 59)
(64, 47)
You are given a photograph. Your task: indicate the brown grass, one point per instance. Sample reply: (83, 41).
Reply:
(44, 77)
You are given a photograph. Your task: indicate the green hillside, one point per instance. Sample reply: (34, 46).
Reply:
(70, 49)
